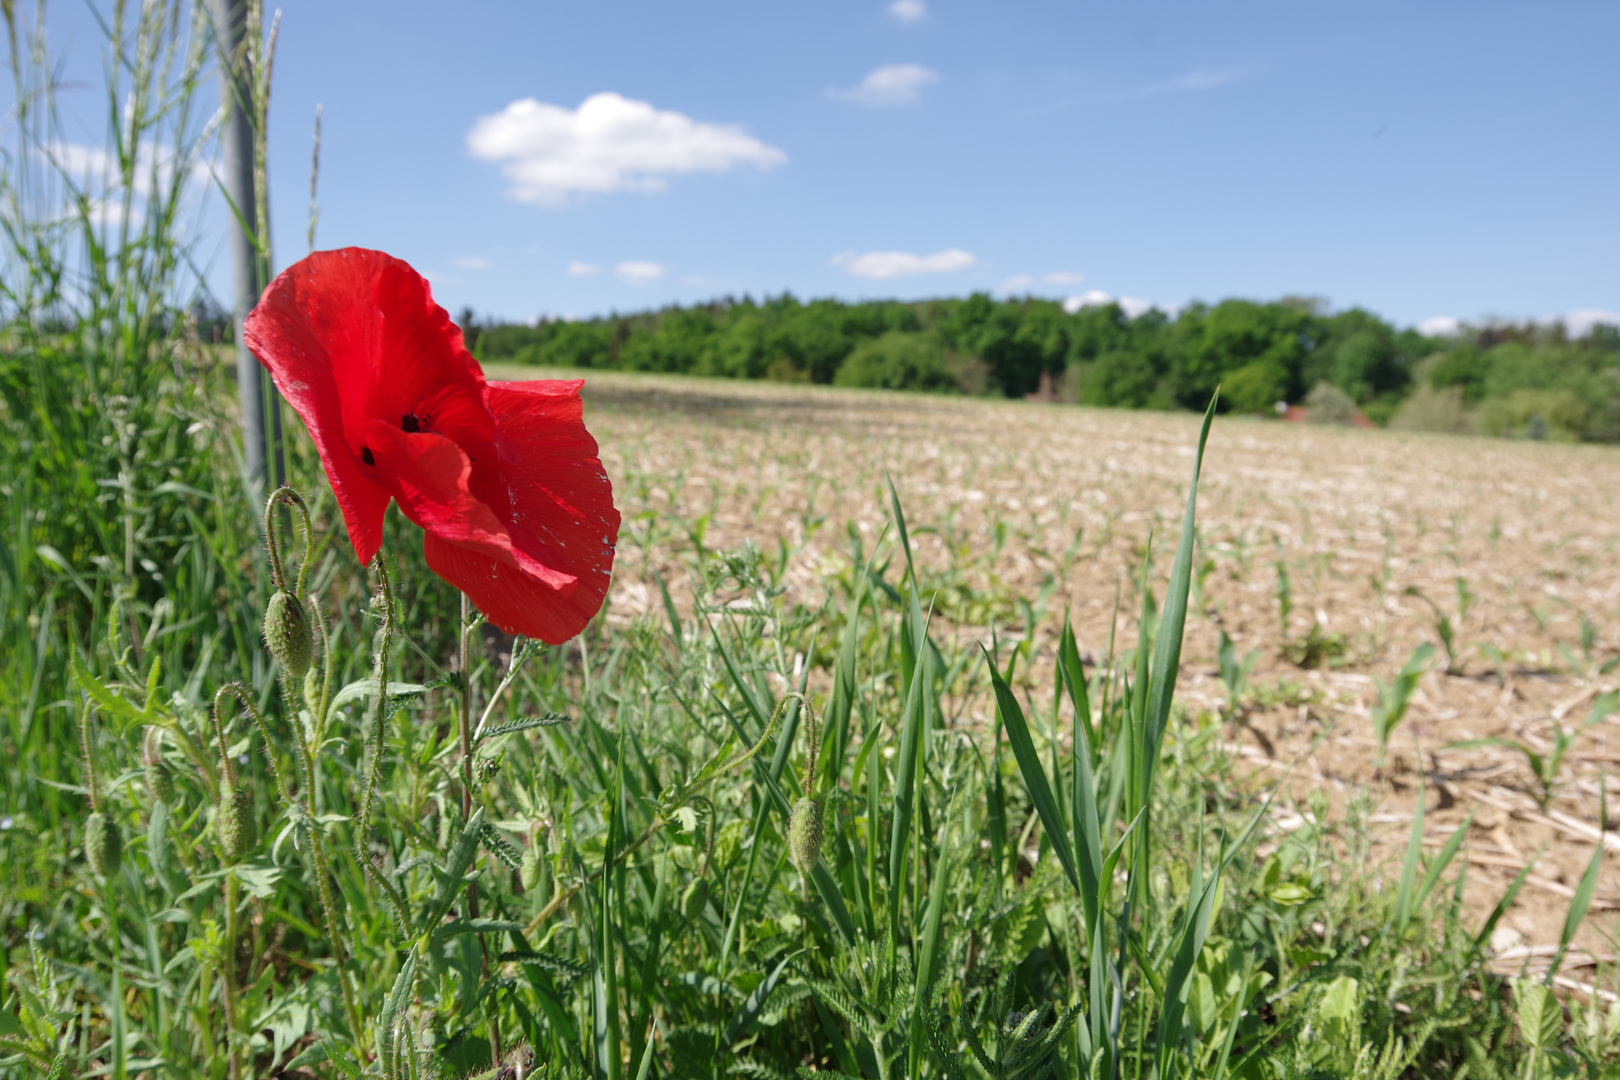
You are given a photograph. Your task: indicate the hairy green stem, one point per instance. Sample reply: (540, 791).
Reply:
(373, 771)
(227, 971)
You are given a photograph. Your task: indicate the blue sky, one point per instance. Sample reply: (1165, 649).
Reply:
(1422, 159)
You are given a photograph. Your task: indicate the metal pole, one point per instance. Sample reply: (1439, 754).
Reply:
(237, 139)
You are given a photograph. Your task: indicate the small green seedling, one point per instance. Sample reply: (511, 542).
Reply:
(1545, 766)
(1444, 627)
(1235, 672)
(1285, 592)
(1586, 667)
(1394, 698)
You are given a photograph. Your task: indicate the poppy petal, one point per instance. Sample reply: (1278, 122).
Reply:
(424, 378)
(560, 514)
(429, 477)
(301, 330)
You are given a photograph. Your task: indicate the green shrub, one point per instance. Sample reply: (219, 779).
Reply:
(1437, 410)
(1254, 388)
(1552, 414)
(899, 360)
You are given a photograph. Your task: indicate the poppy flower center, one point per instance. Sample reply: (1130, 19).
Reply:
(411, 423)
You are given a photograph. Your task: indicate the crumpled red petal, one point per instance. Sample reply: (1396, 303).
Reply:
(560, 514)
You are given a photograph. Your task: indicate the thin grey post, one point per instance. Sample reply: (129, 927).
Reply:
(258, 398)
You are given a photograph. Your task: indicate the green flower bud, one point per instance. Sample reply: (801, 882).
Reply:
(233, 823)
(695, 898)
(288, 634)
(804, 834)
(103, 844)
(159, 781)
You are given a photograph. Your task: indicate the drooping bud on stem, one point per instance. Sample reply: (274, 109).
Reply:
(103, 843)
(287, 631)
(804, 834)
(159, 780)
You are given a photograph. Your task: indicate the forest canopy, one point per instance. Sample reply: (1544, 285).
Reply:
(1499, 378)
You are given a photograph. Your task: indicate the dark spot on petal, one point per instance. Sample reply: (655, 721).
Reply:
(365, 456)
(410, 423)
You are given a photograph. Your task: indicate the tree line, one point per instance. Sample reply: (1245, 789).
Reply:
(1260, 353)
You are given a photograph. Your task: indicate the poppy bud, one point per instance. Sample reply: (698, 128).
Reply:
(159, 780)
(695, 898)
(233, 823)
(103, 844)
(804, 834)
(288, 634)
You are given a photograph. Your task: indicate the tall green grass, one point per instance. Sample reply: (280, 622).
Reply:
(478, 856)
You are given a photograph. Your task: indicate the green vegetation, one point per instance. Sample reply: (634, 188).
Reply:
(1498, 380)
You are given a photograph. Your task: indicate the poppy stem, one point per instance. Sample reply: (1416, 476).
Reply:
(464, 724)
(289, 497)
(465, 718)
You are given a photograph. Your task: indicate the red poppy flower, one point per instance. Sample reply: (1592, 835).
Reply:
(502, 477)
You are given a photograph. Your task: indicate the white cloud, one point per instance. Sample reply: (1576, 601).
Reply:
(889, 85)
(908, 12)
(879, 265)
(610, 143)
(583, 269)
(1580, 322)
(1439, 326)
(1016, 283)
(1132, 306)
(638, 272)
(1063, 277)
(470, 262)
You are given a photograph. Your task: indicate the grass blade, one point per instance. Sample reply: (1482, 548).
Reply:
(1029, 763)
(1414, 852)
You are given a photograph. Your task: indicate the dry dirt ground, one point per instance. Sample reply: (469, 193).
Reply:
(1378, 534)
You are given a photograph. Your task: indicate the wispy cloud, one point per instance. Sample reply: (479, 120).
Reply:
(1439, 326)
(610, 143)
(583, 269)
(1016, 283)
(1064, 277)
(888, 86)
(908, 12)
(639, 272)
(881, 265)
(470, 262)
